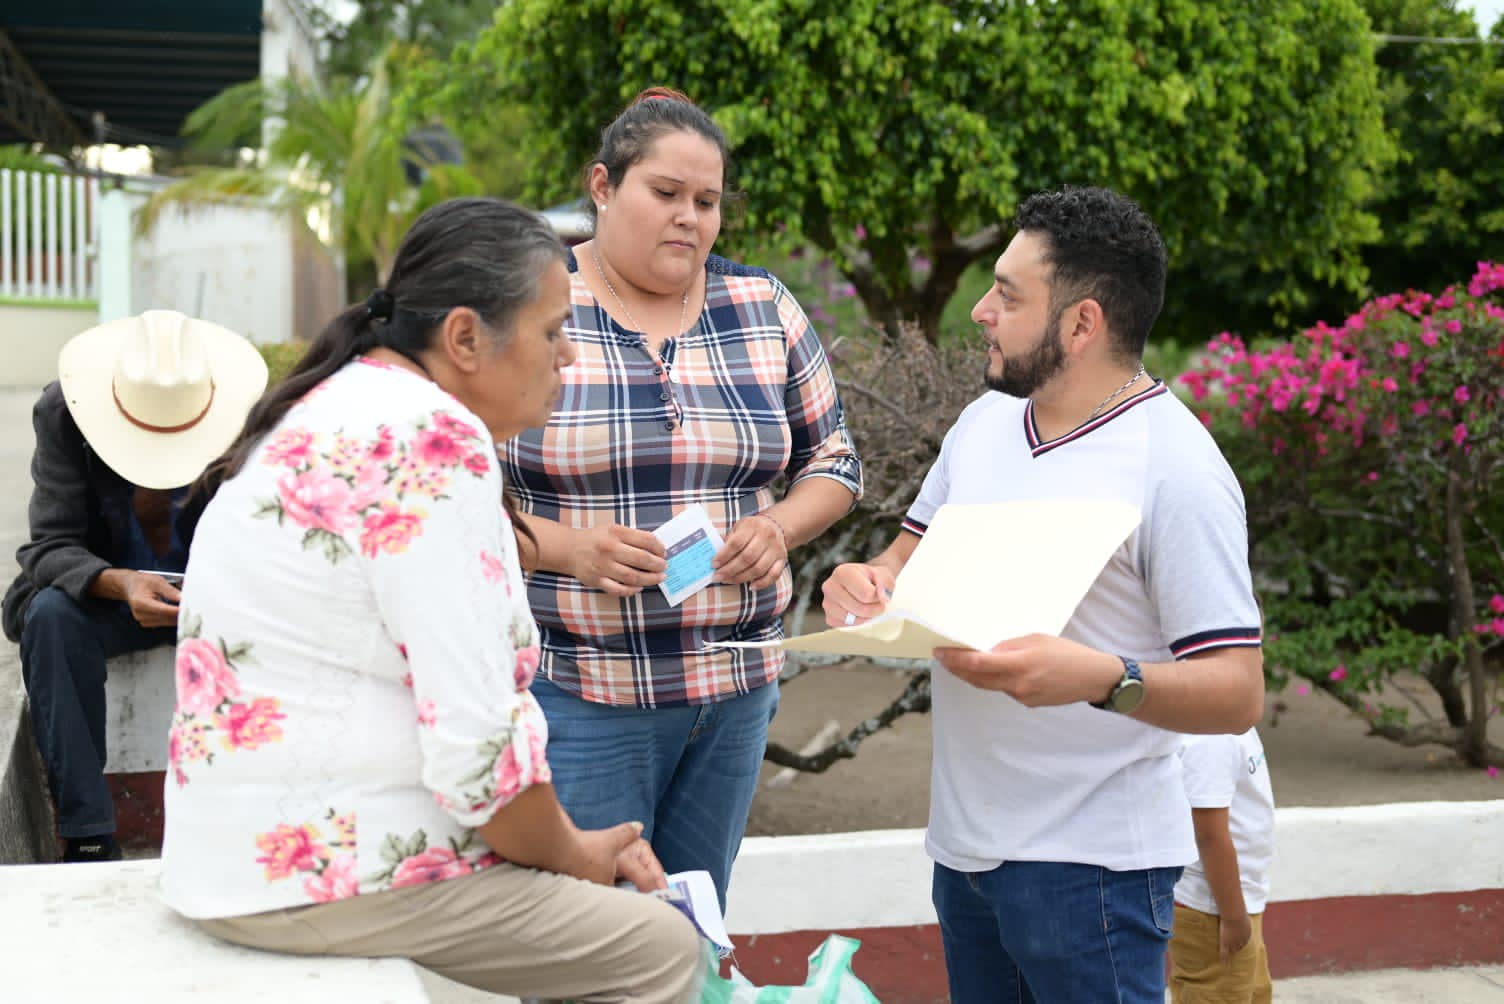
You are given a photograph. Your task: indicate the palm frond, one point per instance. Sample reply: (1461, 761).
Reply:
(219, 186)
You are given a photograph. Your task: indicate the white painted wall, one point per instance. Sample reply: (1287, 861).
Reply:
(30, 339)
(228, 264)
(288, 45)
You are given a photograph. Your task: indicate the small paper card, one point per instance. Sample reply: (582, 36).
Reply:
(692, 543)
(693, 893)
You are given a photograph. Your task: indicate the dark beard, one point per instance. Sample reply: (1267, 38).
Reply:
(1025, 374)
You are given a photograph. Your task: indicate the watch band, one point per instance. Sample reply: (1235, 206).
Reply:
(1133, 678)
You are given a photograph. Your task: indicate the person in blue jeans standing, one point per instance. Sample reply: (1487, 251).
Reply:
(700, 386)
(140, 406)
(1058, 821)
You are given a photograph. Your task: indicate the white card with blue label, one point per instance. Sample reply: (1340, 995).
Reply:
(692, 543)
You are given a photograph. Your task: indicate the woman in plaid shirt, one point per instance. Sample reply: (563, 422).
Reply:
(699, 382)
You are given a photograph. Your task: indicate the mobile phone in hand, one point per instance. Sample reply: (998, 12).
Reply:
(174, 579)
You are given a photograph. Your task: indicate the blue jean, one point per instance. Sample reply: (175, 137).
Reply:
(1055, 933)
(64, 645)
(687, 773)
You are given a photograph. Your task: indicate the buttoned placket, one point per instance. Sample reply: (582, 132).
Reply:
(663, 370)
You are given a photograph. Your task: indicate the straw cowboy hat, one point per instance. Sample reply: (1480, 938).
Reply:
(160, 395)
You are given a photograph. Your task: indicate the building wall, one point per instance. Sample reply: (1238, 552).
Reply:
(31, 336)
(228, 264)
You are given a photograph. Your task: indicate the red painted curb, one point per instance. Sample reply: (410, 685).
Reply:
(1359, 933)
(906, 965)
(138, 808)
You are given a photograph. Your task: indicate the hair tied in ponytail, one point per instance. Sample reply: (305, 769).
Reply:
(379, 305)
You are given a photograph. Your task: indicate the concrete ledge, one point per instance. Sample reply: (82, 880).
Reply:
(141, 695)
(25, 811)
(99, 932)
(1415, 885)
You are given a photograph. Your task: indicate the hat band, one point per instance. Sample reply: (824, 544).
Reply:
(163, 428)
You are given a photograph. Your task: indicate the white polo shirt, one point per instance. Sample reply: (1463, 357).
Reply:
(1074, 783)
(1230, 772)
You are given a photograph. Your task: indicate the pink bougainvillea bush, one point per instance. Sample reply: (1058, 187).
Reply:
(1371, 454)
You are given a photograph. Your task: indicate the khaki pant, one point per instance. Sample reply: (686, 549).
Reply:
(508, 930)
(1197, 975)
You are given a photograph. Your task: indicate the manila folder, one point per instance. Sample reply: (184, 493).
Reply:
(983, 574)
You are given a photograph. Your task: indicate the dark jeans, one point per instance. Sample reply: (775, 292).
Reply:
(687, 773)
(1035, 932)
(64, 646)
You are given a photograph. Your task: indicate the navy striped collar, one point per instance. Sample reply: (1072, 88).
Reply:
(1039, 447)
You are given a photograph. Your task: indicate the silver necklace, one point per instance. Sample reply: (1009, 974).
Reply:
(683, 300)
(1110, 397)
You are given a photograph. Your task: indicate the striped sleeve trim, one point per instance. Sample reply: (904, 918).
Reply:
(1205, 641)
(914, 526)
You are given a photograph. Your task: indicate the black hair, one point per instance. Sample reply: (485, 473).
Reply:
(480, 253)
(1101, 245)
(654, 113)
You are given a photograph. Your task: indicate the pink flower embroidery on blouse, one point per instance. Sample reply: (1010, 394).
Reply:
(437, 448)
(175, 755)
(527, 666)
(384, 448)
(526, 742)
(318, 500)
(427, 714)
(507, 774)
(204, 678)
(434, 865)
(477, 463)
(248, 726)
(454, 426)
(289, 849)
(336, 881)
(292, 448)
(370, 486)
(390, 529)
(491, 567)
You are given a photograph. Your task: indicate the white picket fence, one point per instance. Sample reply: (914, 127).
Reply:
(49, 236)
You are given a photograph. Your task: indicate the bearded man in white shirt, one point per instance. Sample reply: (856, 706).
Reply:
(1058, 822)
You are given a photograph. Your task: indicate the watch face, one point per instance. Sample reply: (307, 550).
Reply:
(1129, 695)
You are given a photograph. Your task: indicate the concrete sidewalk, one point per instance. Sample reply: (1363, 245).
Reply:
(1468, 985)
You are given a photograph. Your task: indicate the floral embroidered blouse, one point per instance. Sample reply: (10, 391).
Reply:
(354, 656)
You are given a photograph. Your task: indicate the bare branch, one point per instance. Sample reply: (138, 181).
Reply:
(915, 698)
(875, 398)
(1431, 733)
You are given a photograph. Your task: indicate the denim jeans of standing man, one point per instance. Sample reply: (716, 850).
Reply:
(686, 773)
(64, 646)
(1035, 932)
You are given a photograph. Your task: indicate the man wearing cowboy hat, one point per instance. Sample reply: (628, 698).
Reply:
(140, 407)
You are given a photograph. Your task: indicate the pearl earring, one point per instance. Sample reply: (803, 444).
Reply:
(603, 207)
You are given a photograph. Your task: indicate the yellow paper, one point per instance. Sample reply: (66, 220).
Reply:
(984, 574)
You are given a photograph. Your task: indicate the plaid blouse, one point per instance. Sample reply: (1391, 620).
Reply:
(743, 396)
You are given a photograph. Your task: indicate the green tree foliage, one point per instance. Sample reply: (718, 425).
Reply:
(411, 34)
(435, 26)
(1439, 208)
(336, 150)
(898, 135)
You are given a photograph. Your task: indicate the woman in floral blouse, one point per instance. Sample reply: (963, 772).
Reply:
(357, 765)
(701, 383)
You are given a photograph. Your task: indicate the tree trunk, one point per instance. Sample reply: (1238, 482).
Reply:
(921, 305)
(1442, 677)
(1474, 745)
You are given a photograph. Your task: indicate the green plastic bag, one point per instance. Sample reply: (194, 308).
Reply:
(830, 981)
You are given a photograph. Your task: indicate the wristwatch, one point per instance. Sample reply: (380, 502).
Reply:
(1129, 692)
